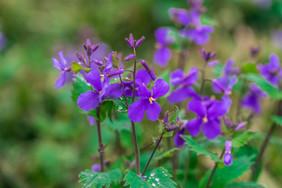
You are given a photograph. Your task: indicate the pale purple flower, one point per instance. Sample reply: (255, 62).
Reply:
(147, 102)
(200, 34)
(272, 71)
(96, 167)
(251, 100)
(67, 75)
(184, 83)
(224, 84)
(277, 38)
(91, 120)
(227, 156)
(162, 54)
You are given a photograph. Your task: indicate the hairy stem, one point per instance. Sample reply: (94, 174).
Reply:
(101, 147)
(157, 145)
(213, 170)
(265, 142)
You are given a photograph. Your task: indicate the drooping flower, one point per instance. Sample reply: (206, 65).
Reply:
(251, 100)
(67, 75)
(162, 54)
(227, 156)
(208, 113)
(91, 99)
(184, 91)
(147, 102)
(272, 71)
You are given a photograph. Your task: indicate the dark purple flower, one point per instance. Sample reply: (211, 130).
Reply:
(67, 75)
(147, 102)
(184, 91)
(227, 156)
(251, 100)
(162, 54)
(224, 84)
(208, 113)
(133, 43)
(91, 99)
(89, 48)
(272, 71)
(96, 167)
(254, 51)
(199, 34)
(178, 140)
(207, 55)
(91, 120)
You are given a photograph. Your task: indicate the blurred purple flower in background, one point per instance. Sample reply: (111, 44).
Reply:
(277, 38)
(147, 102)
(263, 3)
(91, 120)
(184, 91)
(251, 100)
(162, 54)
(96, 167)
(227, 156)
(3, 41)
(178, 140)
(200, 34)
(272, 71)
(63, 65)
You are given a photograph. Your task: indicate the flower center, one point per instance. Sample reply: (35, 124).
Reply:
(151, 99)
(100, 92)
(205, 119)
(68, 69)
(229, 92)
(158, 45)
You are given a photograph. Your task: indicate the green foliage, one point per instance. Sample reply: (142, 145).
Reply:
(243, 139)
(272, 91)
(245, 184)
(249, 68)
(120, 123)
(157, 178)
(223, 176)
(75, 67)
(89, 178)
(120, 104)
(116, 60)
(194, 146)
(277, 120)
(166, 154)
(79, 87)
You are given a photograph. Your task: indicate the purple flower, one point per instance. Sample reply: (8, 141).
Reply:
(162, 54)
(272, 71)
(178, 140)
(96, 167)
(208, 113)
(200, 34)
(67, 75)
(251, 100)
(227, 156)
(133, 43)
(91, 99)
(3, 41)
(277, 38)
(147, 102)
(184, 91)
(89, 48)
(184, 17)
(91, 120)
(224, 84)
(148, 69)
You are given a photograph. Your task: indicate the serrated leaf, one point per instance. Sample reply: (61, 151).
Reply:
(249, 68)
(245, 184)
(79, 87)
(277, 119)
(272, 91)
(194, 146)
(89, 178)
(242, 139)
(166, 154)
(223, 176)
(157, 178)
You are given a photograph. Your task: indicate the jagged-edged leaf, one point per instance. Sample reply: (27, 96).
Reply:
(157, 178)
(132, 180)
(245, 184)
(242, 139)
(166, 154)
(89, 178)
(79, 87)
(120, 104)
(272, 91)
(249, 68)
(223, 176)
(120, 123)
(194, 146)
(277, 120)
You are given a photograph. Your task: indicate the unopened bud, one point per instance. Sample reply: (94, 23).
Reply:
(129, 57)
(140, 41)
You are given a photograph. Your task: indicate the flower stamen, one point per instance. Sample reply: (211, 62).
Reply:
(151, 99)
(205, 119)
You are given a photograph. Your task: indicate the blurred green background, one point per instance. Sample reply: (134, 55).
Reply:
(44, 141)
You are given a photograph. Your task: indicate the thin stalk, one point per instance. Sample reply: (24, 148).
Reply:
(203, 80)
(101, 147)
(146, 146)
(266, 140)
(181, 57)
(213, 170)
(172, 159)
(157, 145)
(186, 167)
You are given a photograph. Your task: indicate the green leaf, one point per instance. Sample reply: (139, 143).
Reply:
(120, 103)
(75, 67)
(245, 184)
(89, 178)
(116, 60)
(194, 146)
(223, 176)
(272, 91)
(120, 123)
(277, 119)
(166, 154)
(157, 178)
(79, 87)
(249, 68)
(242, 139)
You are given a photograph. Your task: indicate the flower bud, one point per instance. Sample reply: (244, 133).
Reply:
(166, 117)
(150, 72)
(114, 73)
(228, 146)
(228, 159)
(80, 57)
(140, 41)
(241, 125)
(171, 128)
(129, 57)
(98, 62)
(96, 167)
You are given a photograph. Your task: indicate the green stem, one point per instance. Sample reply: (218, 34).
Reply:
(101, 147)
